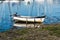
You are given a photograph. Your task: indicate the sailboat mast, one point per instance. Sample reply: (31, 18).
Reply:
(44, 10)
(9, 7)
(28, 3)
(32, 8)
(38, 10)
(45, 7)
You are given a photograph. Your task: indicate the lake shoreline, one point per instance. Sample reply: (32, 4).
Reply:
(48, 32)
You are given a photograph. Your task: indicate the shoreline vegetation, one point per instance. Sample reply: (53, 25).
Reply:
(46, 32)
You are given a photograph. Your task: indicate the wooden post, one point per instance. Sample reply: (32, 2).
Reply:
(26, 21)
(34, 21)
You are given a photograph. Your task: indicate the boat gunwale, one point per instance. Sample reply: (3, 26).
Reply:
(30, 16)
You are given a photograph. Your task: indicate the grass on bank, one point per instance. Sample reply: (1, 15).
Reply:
(45, 33)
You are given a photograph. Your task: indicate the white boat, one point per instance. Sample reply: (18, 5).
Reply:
(37, 19)
(29, 19)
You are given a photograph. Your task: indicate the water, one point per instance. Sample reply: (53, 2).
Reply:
(6, 22)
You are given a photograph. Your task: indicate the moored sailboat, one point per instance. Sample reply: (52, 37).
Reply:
(29, 19)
